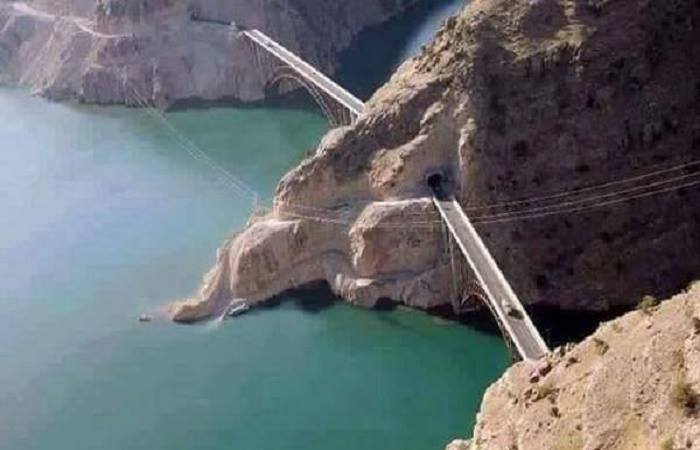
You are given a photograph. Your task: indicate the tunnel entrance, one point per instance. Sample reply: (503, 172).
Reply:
(436, 182)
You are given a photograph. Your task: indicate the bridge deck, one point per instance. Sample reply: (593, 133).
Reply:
(306, 70)
(499, 293)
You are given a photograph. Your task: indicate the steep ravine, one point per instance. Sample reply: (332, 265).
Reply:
(515, 101)
(123, 51)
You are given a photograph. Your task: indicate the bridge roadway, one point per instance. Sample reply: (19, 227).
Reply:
(307, 71)
(503, 301)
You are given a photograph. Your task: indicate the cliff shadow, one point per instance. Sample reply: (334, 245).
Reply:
(313, 297)
(297, 99)
(559, 327)
(479, 319)
(556, 326)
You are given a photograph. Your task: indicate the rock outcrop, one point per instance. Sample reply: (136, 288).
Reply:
(633, 384)
(133, 52)
(570, 131)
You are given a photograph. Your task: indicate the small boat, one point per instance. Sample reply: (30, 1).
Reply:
(145, 318)
(237, 309)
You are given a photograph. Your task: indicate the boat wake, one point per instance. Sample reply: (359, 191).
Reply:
(213, 325)
(235, 308)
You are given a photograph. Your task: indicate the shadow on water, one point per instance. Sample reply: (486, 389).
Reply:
(313, 298)
(297, 99)
(477, 320)
(556, 326)
(384, 307)
(559, 327)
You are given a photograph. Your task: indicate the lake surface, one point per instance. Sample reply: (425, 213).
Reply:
(104, 215)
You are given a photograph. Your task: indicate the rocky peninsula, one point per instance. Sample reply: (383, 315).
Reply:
(570, 132)
(153, 52)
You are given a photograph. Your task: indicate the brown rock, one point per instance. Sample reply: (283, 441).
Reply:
(150, 51)
(638, 399)
(524, 104)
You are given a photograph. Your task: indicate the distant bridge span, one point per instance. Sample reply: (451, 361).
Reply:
(337, 104)
(318, 84)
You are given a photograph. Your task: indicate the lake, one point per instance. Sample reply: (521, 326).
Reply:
(105, 214)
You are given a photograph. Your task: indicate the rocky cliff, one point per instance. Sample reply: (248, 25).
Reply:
(634, 384)
(123, 51)
(569, 130)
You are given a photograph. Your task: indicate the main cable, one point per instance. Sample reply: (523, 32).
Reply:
(588, 207)
(592, 198)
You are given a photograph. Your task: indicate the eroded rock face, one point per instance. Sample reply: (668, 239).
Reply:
(549, 116)
(151, 51)
(280, 251)
(630, 385)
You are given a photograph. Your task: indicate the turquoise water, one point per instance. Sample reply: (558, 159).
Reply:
(103, 216)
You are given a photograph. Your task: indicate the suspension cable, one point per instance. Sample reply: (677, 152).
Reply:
(588, 207)
(590, 199)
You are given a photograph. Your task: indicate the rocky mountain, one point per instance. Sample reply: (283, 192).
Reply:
(570, 132)
(633, 384)
(124, 51)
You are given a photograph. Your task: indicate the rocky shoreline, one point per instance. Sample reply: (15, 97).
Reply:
(152, 52)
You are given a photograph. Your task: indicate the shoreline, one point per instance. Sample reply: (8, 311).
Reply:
(571, 326)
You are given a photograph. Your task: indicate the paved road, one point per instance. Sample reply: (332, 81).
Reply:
(330, 87)
(499, 293)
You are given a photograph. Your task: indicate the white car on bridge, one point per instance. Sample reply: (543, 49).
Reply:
(511, 310)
